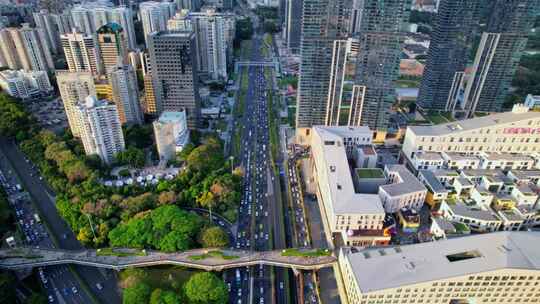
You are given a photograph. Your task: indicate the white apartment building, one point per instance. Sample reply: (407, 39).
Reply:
(154, 16)
(427, 161)
(358, 217)
(171, 134)
(403, 191)
(101, 131)
(81, 52)
(460, 161)
(501, 267)
(21, 84)
(90, 16)
(510, 132)
(506, 161)
(74, 87)
(214, 34)
(125, 92)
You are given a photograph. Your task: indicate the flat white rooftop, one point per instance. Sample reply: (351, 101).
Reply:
(344, 198)
(392, 267)
(473, 123)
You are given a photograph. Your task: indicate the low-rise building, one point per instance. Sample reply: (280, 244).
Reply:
(357, 217)
(533, 101)
(171, 134)
(427, 161)
(366, 157)
(478, 218)
(506, 161)
(404, 190)
(25, 84)
(409, 219)
(460, 161)
(436, 191)
(488, 268)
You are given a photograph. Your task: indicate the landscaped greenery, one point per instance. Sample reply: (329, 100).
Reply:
(214, 253)
(119, 253)
(272, 119)
(206, 287)
(369, 173)
(436, 118)
(305, 253)
(214, 237)
(461, 228)
(289, 80)
(82, 200)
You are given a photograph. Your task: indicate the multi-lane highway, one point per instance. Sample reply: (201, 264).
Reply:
(102, 283)
(60, 284)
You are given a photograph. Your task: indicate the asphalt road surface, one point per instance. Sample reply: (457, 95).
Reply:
(43, 197)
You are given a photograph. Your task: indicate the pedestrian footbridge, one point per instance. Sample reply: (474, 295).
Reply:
(205, 259)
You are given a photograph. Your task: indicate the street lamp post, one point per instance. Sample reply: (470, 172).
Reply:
(231, 158)
(91, 226)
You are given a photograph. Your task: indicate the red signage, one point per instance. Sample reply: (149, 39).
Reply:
(521, 131)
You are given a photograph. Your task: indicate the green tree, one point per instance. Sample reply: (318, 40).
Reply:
(131, 156)
(244, 29)
(206, 288)
(138, 293)
(160, 296)
(214, 237)
(7, 287)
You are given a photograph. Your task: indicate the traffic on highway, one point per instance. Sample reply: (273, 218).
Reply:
(60, 284)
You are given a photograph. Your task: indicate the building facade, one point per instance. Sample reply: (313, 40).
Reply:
(293, 24)
(21, 84)
(46, 21)
(74, 87)
(498, 55)
(125, 93)
(90, 16)
(380, 39)
(323, 22)
(488, 268)
(101, 131)
(214, 34)
(173, 70)
(81, 52)
(154, 16)
(26, 48)
(448, 51)
(112, 46)
(171, 134)
(511, 132)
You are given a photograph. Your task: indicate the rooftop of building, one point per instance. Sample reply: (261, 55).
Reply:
(444, 224)
(408, 184)
(434, 156)
(369, 173)
(445, 173)
(341, 187)
(455, 156)
(368, 150)
(445, 259)
(110, 28)
(474, 123)
(432, 182)
(507, 157)
(172, 117)
(525, 174)
(473, 173)
(473, 212)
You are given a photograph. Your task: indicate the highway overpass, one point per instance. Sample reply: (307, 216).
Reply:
(205, 259)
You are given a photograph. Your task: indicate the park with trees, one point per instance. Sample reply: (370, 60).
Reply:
(153, 216)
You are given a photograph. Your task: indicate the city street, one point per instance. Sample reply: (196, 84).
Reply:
(60, 284)
(43, 198)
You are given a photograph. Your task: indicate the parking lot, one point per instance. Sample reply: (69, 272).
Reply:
(49, 112)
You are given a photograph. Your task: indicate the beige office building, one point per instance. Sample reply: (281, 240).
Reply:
(113, 46)
(517, 131)
(74, 87)
(501, 268)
